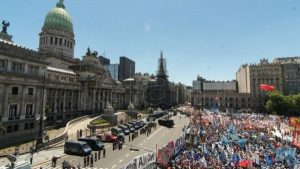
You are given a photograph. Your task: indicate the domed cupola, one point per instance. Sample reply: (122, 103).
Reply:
(59, 18)
(57, 36)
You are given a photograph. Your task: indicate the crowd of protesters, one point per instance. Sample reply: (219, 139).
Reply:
(220, 140)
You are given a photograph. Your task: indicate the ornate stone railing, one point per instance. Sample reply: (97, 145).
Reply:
(100, 126)
(63, 136)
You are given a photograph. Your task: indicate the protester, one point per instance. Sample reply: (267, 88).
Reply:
(219, 140)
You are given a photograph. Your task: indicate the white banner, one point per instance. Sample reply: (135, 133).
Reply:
(179, 144)
(146, 161)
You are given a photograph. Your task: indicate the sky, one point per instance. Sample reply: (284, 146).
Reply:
(210, 38)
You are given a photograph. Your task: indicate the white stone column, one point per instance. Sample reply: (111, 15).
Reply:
(55, 101)
(22, 110)
(94, 100)
(5, 108)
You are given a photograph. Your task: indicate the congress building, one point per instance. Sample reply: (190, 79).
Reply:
(50, 86)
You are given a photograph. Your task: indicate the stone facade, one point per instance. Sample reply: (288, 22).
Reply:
(50, 83)
(222, 95)
(22, 75)
(264, 73)
(223, 100)
(243, 79)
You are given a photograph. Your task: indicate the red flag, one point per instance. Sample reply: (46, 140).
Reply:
(266, 87)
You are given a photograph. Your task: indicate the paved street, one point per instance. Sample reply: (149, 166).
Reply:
(46, 155)
(115, 159)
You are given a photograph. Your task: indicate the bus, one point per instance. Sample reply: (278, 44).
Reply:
(156, 115)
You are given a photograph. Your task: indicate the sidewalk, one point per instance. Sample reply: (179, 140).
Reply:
(25, 148)
(38, 158)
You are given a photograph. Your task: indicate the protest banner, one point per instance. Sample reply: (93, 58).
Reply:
(145, 161)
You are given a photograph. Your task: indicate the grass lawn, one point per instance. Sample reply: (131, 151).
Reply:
(99, 122)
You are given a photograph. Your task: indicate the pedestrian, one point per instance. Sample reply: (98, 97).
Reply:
(103, 152)
(80, 133)
(132, 137)
(129, 137)
(78, 165)
(87, 160)
(120, 144)
(31, 159)
(54, 160)
(84, 162)
(99, 154)
(95, 156)
(92, 161)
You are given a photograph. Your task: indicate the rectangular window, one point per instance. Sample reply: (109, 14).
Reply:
(31, 125)
(26, 126)
(16, 128)
(30, 91)
(60, 41)
(51, 40)
(2, 64)
(65, 44)
(56, 41)
(15, 91)
(13, 109)
(69, 105)
(9, 129)
(17, 67)
(33, 70)
(29, 108)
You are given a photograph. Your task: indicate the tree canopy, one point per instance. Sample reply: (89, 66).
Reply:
(277, 103)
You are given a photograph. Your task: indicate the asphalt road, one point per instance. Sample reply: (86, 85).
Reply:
(117, 158)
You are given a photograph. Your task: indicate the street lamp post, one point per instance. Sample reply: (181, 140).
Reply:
(41, 126)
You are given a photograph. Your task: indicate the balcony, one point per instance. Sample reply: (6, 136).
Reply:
(13, 118)
(30, 116)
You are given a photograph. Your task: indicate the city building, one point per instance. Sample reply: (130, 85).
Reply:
(243, 79)
(264, 73)
(126, 68)
(290, 74)
(198, 84)
(113, 70)
(222, 95)
(104, 61)
(291, 78)
(158, 91)
(22, 91)
(50, 86)
(135, 90)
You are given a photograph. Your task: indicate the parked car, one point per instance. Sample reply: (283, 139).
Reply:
(125, 129)
(130, 126)
(166, 122)
(107, 137)
(141, 123)
(116, 131)
(93, 142)
(135, 125)
(77, 148)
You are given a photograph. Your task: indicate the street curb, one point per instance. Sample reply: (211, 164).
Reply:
(45, 161)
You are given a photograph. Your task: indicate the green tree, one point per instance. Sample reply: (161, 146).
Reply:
(277, 103)
(297, 102)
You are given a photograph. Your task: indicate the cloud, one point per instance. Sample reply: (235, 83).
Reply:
(147, 27)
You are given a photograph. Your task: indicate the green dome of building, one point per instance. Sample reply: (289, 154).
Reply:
(59, 18)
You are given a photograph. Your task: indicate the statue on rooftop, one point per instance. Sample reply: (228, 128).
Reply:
(5, 24)
(88, 53)
(95, 53)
